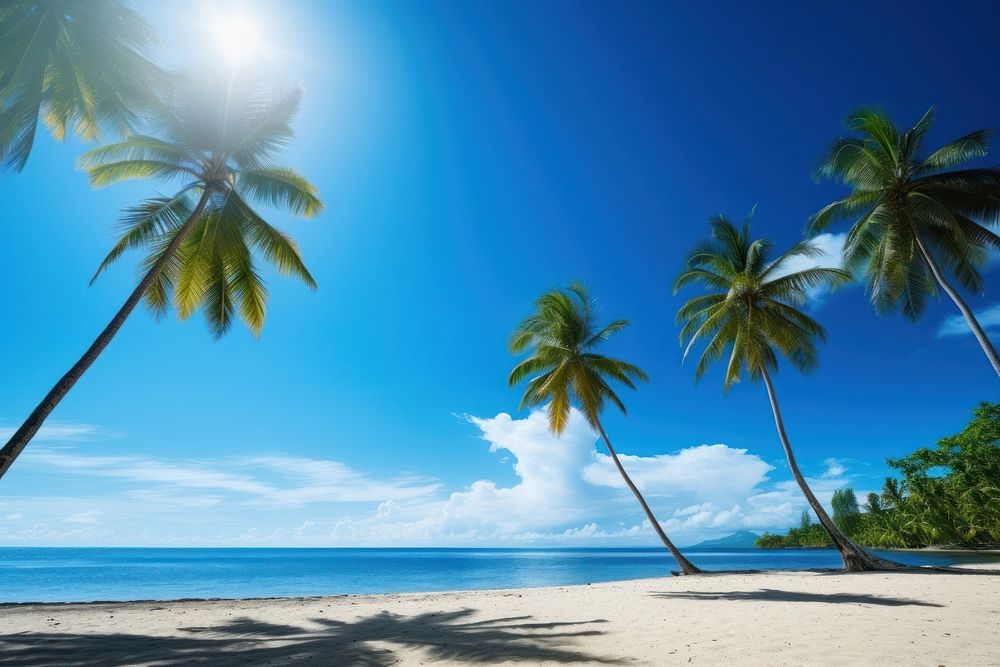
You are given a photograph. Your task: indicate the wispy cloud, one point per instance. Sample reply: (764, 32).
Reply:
(271, 480)
(332, 481)
(63, 432)
(955, 325)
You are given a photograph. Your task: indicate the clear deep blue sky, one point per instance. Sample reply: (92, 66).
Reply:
(472, 155)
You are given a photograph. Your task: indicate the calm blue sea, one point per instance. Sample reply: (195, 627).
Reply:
(84, 574)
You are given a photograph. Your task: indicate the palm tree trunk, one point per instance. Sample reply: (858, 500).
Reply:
(855, 559)
(27, 431)
(977, 329)
(685, 564)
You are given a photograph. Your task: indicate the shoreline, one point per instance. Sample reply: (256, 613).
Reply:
(706, 574)
(973, 568)
(457, 591)
(776, 617)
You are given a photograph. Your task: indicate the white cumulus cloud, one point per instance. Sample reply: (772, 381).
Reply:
(568, 491)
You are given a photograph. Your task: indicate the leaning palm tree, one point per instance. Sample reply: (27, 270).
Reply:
(751, 309)
(78, 64)
(914, 222)
(203, 242)
(563, 337)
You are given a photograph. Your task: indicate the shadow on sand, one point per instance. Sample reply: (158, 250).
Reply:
(371, 640)
(774, 595)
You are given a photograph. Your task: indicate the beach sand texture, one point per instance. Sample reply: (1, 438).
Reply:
(770, 618)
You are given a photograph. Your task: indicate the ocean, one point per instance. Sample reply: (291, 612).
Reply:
(29, 574)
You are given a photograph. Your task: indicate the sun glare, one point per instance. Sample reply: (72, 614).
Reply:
(237, 37)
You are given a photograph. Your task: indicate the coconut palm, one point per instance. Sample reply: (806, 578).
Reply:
(751, 309)
(205, 240)
(563, 337)
(78, 64)
(914, 222)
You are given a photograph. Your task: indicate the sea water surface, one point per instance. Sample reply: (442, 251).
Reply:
(29, 574)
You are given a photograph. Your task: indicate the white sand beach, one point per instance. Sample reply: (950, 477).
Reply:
(777, 618)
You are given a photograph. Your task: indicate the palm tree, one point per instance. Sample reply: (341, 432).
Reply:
(220, 142)
(79, 64)
(563, 336)
(914, 222)
(752, 309)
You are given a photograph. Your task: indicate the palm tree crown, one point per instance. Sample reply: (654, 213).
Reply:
(752, 303)
(563, 336)
(902, 197)
(219, 141)
(79, 64)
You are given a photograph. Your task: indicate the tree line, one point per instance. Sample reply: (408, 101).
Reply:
(945, 496)
(918, 224)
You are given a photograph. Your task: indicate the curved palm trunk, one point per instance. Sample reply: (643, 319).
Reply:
(977, 329)
(27, 431)
(855, 559)
(685, 564)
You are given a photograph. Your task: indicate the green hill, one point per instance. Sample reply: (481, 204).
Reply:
(743, 539)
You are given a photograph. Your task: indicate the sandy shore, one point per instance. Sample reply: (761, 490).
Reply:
(780, 618)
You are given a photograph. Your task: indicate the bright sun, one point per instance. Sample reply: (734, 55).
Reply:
(237, 37)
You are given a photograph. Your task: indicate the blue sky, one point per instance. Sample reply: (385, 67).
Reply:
(472, 155)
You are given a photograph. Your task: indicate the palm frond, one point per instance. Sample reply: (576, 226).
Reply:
(111, 173)
(146, 222)
(268, 131)
(76, 64)
(793, 287)
(141, 148)
(280, 187)
(856, 204)
(964, 149)
(277, 248)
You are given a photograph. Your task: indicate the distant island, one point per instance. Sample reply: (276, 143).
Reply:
(743, 539)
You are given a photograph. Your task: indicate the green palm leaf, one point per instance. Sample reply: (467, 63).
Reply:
(77, 64)
(280, 187)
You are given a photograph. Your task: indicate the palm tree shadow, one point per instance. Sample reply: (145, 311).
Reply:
(442, 636)
(774, 595)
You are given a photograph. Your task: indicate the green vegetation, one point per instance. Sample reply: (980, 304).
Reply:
(810, 535)
(914, 222)
(752, 309)
(948, 495)
(78, 64)
(563, 336)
